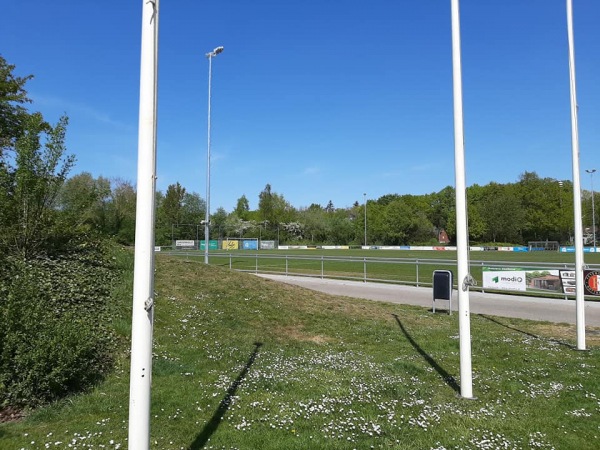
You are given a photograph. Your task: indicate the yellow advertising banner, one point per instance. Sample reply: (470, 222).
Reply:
(230, 245)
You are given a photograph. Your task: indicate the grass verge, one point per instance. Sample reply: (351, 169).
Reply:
(246, 363)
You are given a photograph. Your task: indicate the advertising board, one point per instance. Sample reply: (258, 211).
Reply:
(591, 282)
(230, 245)
(267, 245)
(250, 244)
(212, 244)
(182, 243)
(521, 279)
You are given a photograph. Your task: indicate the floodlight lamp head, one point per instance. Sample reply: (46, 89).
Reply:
(215, 52)
(590, 170)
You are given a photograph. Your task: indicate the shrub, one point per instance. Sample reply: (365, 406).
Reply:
(54, 333)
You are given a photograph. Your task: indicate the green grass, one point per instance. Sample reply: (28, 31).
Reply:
(395, 266)
(247, 363)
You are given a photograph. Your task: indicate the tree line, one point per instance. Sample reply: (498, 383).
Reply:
(530, 209)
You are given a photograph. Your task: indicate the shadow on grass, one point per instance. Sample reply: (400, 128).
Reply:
(448, 379)
(215, 420)
(526, 333)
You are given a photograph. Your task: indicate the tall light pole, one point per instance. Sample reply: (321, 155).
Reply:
(210, 56)
(365, 196)
(591, 172)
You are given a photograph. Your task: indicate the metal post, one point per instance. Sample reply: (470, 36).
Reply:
(365, 269)
(462, 236)
(143, 280)
(417, 269)
(365, 195)
(210, 56)
(591, 172)
(579, 295)
(322, 268)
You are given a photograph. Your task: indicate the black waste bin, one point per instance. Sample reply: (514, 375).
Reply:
(442, 287)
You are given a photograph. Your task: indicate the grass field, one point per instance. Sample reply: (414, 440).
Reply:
(246, 363)
(396, 266)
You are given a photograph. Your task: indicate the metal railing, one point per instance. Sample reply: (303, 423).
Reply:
(407, 271)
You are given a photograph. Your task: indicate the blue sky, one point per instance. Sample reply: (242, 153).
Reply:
(323, 100)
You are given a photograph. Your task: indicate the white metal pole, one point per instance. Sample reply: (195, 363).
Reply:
(462, 242)
(143, 283)
(210, 56)
(593, 212)
(591, 172)
(207, 216)
(579, 300)
(365, 195)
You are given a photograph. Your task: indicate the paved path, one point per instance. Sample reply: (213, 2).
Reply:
(542, 309)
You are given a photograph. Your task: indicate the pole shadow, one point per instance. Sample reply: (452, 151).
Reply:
(526, 333)
(448, 379)
(214, 422)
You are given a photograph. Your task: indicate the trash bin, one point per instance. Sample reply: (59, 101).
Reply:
(442, 287)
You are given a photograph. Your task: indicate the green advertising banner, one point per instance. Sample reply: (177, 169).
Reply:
(212, 245)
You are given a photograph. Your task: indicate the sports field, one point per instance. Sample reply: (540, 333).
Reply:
(396, 266)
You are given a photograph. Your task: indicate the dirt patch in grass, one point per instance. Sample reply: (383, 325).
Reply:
(10, 414)
(566, 334)
(297, 333)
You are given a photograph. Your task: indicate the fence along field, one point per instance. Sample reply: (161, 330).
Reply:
(411, 267)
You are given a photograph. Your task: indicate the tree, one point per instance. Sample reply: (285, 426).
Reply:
(169, 213)
(265, 204)
(274, 208)
(193, 208)
(13, 115)
(398, 223)
(502, 212)
(541, 204)
(83, 201)
(442, 206)
(340, 229)
(121, 212)
(30, 184)
(315, 223)
(218, 221)
(172, 204)
(242, 208)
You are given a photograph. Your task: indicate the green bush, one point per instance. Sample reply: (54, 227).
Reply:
(54, 326)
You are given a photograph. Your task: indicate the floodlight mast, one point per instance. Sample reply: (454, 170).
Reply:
(210, 56)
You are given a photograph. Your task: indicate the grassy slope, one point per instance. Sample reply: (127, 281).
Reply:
(246, 363)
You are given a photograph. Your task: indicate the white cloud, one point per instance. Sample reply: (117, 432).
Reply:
(73, 108)
(311, 171)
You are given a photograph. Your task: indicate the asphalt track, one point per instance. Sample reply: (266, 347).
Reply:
(502, 305)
